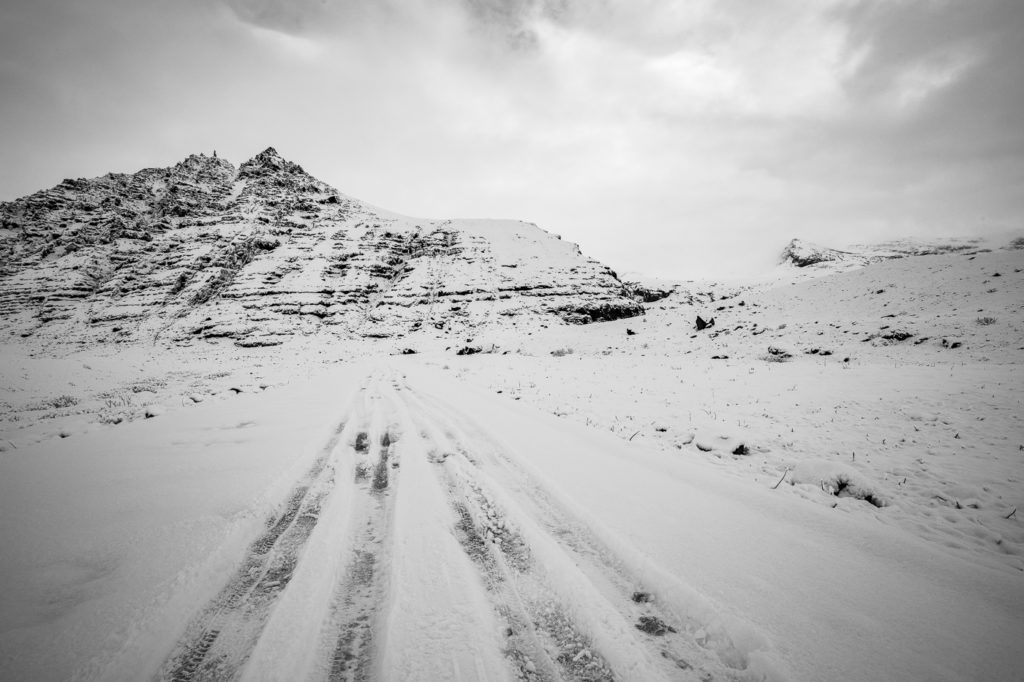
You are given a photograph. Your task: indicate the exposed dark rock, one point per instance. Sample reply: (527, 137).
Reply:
(702, 324)
(645, 294)
(776, 354)
(600, 312)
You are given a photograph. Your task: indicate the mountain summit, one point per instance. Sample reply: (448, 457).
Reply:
(264, 252)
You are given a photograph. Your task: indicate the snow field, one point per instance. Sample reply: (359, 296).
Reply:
(135, 526)
(766, 565)
(529, 516)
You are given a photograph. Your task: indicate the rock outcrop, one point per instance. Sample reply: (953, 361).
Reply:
(804, 254)
(264, 252)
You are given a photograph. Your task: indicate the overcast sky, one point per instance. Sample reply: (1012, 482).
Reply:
(675, 137)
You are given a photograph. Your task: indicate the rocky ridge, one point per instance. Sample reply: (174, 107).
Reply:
(263, 252)
(803, 254)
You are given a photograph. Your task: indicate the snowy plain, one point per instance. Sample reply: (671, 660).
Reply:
(821, 486)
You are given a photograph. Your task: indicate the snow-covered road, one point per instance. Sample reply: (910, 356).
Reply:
(383, 521)
(415, 548)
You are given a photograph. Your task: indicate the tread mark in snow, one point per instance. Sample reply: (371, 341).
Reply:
(195, 656)
(676, 647)
(350, 658)
(380, 472)
(535, 623)
(362, 448)
(220, 639)
(267, 540)
(362, 590)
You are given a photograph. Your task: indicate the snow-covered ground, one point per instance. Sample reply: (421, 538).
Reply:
(821, 486)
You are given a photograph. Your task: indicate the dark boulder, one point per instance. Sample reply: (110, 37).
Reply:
(701, 324)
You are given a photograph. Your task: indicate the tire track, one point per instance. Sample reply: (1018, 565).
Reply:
(349, 638)
(681, 648)
(543, 643)
(569, 608)
(542, 640)
(219, 640)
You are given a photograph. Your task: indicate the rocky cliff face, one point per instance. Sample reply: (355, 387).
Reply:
(263, 252)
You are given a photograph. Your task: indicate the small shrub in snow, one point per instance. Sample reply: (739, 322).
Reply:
(147, 386)
(986, 320)
(117, 399)
(110, 417)
(54, 403)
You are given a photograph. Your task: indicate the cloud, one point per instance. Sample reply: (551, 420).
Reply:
(287, 17)
(655, 133)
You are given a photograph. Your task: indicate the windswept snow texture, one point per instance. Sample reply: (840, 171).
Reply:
(825, 484)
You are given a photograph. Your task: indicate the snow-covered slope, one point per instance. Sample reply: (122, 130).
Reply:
(265, 252)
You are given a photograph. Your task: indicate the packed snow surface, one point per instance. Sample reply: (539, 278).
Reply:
(822, 485)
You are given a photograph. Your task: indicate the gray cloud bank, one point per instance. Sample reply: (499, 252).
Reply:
(663, 136)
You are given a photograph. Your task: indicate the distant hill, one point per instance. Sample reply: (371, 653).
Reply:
(803, 254)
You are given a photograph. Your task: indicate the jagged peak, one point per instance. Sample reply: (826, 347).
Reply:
(201, 160)
(268, 153)
(269, 160)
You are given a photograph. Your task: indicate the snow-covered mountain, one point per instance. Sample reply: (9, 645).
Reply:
(264, 252)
